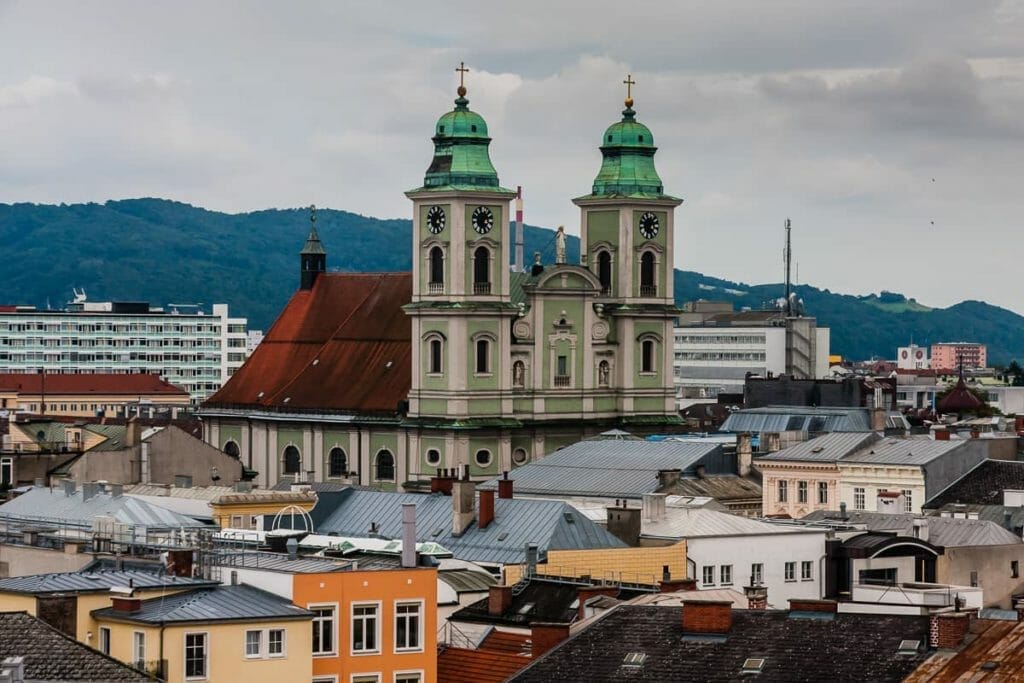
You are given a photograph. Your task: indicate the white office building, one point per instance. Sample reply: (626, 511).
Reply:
(189, 347)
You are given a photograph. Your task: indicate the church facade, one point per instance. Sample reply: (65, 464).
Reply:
(381, 379)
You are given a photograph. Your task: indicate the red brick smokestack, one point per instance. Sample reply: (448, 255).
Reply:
(486, 513)
(707, 616)
(504, 486)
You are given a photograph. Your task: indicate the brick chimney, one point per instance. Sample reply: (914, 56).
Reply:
(812, 605)
(624, 523)
(757, 596)
(878, 416)
(707, 616)
(485, 515)
(504, 486)
(942, 435)
(545, 636)
(668, 478)
(947, 630)
(127, 605)
(132, 432)
(179, 562)
(499, 600)
(584, 593)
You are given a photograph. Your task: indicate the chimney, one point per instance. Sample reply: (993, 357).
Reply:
(975, 434)
(486, 513)
(707, 616)
(545, 636)
(125, 604)
(435, 482)
(878, 416)
(744, 454)
(654, 506)
(116, 490)
(624, 523)
(89, 489)
(132, 432)
(585, 593)
(811, 605)
(1008, 520)
(772, 441)
(499, 600)
(946, 630)
(179, 562)
(942, 435)
(462, 503)
(757, 596)
(670, 585)
(69, 487)
(921, 529)
(12, 669)
(531, 559)
(234, 577)
(408, 535)
(504, 486)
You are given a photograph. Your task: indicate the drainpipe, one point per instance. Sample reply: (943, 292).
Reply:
(160, 663)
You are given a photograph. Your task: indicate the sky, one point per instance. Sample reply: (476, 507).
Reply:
(890, 132)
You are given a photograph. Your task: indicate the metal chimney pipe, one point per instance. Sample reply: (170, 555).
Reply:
(408, 535)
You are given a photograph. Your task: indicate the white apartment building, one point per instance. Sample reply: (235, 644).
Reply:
(187, 346)
(715, 348)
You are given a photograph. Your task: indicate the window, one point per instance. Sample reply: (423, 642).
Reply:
(435, 357)
(365, 678)
(908, 500)
(433, 457)
(604, 271)
(519, 456)
(292, 460)
(436, 268)
(756, 574)
(275, 642)
(231, 448)
(253, 643)
(647, 356)
(481, 271)
(790, 574)
(323, 630)
(408, 677)
(806, 571)
(364, 628)
(483, 360)
(385, 466)
(195, 655)
(822, 493)
(709, 575)
(858, 498)
(801, 491)
(483, 457)
(879, 577)
(104, 640)
(725, 574)
(407, 626)
(1014, 569)
(6, 471)
(783, 490)
(139, 649)
(647, 276)
(337, 463)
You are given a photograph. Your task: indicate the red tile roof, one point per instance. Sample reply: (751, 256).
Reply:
(342, 346)
(458, 665)
(56, 384)
(959, 400)
(504, 641)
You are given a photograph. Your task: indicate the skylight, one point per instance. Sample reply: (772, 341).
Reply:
(752, 665)
(908, 647)
(525, 609)
(634, 659)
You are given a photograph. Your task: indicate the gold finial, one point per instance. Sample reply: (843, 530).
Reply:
(462, 78)
(629, 89)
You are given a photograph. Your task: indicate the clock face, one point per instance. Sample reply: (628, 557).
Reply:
(483, 220)
(435, 219)
(649, 225)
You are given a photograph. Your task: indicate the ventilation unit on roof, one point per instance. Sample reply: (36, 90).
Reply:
(908, 647)
(752, 665)
(817, 449)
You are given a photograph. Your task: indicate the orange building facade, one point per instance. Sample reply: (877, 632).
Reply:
(947, 357)
(372, 626)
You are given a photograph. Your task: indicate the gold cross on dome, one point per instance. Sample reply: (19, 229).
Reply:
(629, 85)
(462, 74)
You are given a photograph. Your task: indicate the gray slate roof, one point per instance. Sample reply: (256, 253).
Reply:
(806, 419)
(96, 581)
(220, 603)
(552, 525)
(825, 448)
(611, 467)
(54, 506)
(51, 657)
(948, 532)
(902, 451)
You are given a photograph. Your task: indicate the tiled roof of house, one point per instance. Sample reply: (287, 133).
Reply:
(983, 485)
(60, 384)
(219, 603)
(342, 346)
(52, 656)
(460, 665)
(994, 655)
(721, 487)
(848, 647)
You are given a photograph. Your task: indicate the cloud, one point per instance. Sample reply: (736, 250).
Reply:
(33, 90)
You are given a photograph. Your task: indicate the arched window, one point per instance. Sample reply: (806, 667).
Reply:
(292, 460)
(647, 356)
(435, 356)
(648, 286)
(385, 466)
(481, 271)
(483, 357)
(604, 271)
(436, 269)
(231, 448)
(337, 463)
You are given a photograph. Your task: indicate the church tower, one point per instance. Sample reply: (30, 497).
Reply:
(627, 239)
(313, 257)
(461, 308)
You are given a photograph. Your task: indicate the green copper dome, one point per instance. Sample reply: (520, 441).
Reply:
(461, 156)
(628, 166)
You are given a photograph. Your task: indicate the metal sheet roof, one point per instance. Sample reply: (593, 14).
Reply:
(221, 603)
(608, 467)
(825, 448)
(806, 419)
(96, 581)
(902, 451)
(948, 532)
(467, 580)
(54, 506)
(551, 525)
(687, 522)
(276, 562)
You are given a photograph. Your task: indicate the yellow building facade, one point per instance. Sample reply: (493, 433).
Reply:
(643, 565)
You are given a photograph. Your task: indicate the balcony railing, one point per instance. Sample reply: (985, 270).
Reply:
(481, 287)
(919, 594)
(562, 381)
(648, 290)
(435, 288)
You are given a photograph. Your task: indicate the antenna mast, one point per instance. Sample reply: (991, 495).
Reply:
(789, 259)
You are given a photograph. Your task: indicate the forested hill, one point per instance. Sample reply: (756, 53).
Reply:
(168, 252)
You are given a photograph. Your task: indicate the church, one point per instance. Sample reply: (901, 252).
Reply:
(381, 379)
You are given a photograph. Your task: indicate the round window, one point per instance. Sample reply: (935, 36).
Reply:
(433, 457)
(483, 458)
(519, 456)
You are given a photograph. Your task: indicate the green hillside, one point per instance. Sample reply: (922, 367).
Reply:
(168, 252)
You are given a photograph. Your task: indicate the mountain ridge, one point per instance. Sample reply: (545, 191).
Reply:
(167, 251)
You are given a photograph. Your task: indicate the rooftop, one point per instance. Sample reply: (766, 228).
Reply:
(55, 506)
(947, 532)
(77, 385)
(97, 581)
(806, 419)
(993, 655)
(824, 448)
(982, 485)
(216, 604)
(891, 451)
(52, 657)
(687, 522)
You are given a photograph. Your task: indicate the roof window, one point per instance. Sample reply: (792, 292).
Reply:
(752, 665)
(472, 128)
(817, 449)
(908, 647)
(634, 659)
(525, 609)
